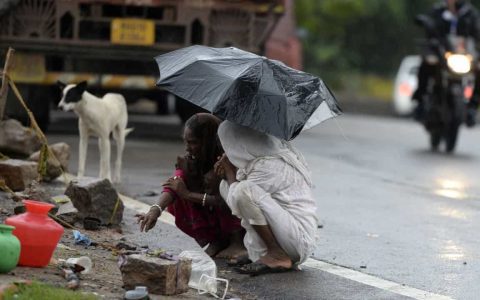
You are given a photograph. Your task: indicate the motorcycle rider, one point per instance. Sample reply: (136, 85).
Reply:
(450, 16)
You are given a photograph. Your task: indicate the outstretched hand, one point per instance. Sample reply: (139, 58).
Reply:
(147, 221)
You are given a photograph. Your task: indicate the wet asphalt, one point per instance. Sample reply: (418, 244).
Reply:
(388, 206)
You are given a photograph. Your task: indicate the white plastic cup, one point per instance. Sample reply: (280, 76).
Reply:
(208, 284)
(83, 261)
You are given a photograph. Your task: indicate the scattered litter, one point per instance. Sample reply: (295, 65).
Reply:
(82, 239)
(83, 262)
(60, 199)
(162, 253)
(156, 252)
(125, 246)
(72, 278)
(139, 293)
(203, 276)
(208, 284)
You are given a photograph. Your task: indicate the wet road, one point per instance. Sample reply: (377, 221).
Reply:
(389, 207)
(392, 206)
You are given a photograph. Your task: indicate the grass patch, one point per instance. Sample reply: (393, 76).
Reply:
(368, 86)
(38, 291)
(377, 87)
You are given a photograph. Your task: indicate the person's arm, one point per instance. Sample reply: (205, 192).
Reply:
(178, 186)
(226, 170)
(204, 199)
(147, 221)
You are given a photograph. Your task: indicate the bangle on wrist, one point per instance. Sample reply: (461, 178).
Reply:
(204, 198)
(157, 206)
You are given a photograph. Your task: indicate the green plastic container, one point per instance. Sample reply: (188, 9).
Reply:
(10, 249)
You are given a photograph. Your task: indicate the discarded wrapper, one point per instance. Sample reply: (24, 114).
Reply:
(84, 261)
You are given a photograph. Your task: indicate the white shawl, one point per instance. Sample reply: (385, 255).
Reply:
(244, 147)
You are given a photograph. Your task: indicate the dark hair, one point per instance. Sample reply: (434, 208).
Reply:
(204, 127)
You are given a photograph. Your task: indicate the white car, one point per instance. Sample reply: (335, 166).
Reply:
(405, 84)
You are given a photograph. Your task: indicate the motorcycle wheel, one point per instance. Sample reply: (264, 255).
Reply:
(451, 138)
(435, 139)
(451, 132)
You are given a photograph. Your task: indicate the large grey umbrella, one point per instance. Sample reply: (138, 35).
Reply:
(247, 89)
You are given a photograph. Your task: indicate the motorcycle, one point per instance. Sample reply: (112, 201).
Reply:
(452, 87)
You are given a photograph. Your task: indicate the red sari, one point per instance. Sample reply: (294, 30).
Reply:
(205, 224)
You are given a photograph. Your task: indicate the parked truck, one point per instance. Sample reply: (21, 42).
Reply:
(111, 43)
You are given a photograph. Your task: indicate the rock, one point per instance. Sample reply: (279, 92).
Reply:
(17, 140)
(55, 167)
(68, 213)
(125, 246)
(35, 191)
(160, 276)
(94, 197)
(18, 174)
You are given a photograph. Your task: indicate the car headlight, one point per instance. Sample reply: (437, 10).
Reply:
(459, 63)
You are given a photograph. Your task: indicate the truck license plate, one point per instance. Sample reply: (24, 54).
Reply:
(132, 32)
(28, 68)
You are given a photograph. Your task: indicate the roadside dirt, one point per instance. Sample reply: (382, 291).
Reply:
(105, 278)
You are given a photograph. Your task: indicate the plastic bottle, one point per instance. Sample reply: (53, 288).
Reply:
(38, 234)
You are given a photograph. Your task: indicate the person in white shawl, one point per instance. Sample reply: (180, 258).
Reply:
(267, 184)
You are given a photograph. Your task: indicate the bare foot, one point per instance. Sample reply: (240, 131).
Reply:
(234, 250)
(276, 259)
(215, 247)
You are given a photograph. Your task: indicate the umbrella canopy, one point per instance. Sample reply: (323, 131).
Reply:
(247, 89)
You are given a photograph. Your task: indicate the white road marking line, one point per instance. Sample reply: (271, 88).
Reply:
(373, 281)
(319, 265)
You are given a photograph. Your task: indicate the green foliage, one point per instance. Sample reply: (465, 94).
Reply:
(359, 36)
(377, 87)
(38, 291)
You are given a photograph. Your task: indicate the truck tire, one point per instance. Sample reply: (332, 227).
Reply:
(37, 99)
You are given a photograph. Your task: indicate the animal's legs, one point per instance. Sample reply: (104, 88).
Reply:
(82, 148)
(104, 147)
(119, 136)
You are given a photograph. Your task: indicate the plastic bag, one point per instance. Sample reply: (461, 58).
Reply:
(204, 273)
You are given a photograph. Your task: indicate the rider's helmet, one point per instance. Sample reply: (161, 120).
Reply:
(455, 3)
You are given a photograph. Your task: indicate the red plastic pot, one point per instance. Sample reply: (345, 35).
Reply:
(37, 232)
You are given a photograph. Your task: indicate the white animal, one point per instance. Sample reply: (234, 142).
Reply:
(98, 117)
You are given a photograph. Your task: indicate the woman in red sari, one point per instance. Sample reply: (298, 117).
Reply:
(192, 195)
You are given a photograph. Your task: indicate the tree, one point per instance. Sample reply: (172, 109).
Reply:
(359, 36)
